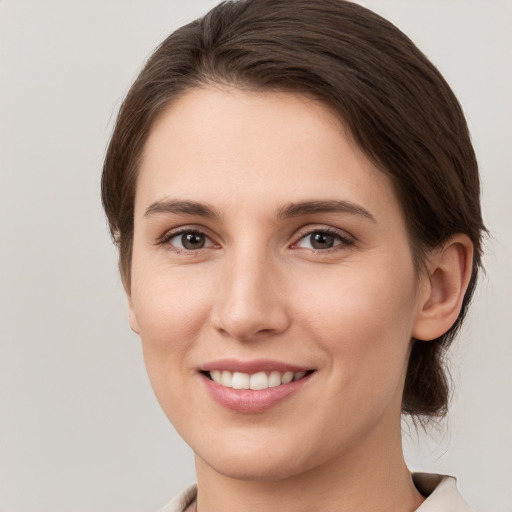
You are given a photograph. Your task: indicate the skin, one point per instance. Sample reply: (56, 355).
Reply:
(259, 289)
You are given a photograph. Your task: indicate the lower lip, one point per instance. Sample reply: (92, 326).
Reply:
(252, 401)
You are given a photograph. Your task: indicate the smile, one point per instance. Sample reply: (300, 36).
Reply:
(256, 381)
(253, 386)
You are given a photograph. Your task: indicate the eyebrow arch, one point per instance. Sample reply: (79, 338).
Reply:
(182, 207)
(286, 211)
(327, 206)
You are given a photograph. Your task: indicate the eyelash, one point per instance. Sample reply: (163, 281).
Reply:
(344, 239)
(165, 240)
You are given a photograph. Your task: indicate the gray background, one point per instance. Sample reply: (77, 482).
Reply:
(80, 429)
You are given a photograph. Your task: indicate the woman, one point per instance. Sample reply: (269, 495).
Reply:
(295, 199)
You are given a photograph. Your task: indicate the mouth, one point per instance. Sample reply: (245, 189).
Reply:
(256, 381)
(253, 386)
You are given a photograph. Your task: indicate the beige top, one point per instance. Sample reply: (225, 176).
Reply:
(440, 491)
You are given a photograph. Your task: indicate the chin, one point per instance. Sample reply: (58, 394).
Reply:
(258, 462)
(256, 470)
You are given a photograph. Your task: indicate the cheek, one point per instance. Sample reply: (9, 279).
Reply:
(171, 310)
(168, 304)
(364, 321)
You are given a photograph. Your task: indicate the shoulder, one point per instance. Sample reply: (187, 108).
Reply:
(441, 493)
(181, 501)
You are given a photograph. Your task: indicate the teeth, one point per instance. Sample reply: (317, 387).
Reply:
(287, 377)
(240, 381)
(226, 379)
(256, 381)
(274, 379)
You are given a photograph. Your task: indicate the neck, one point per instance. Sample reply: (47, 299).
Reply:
(376, 480)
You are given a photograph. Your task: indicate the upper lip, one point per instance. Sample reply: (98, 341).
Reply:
(252, 366)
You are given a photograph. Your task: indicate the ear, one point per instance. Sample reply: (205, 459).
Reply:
(449, 271)
(132, 318)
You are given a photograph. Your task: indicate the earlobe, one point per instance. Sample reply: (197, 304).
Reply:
(132, 318)
(449, 269)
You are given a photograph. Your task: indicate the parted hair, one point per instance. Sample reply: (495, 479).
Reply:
(395, 103)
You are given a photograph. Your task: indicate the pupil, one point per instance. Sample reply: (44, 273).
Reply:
(192, 240)
(322, 241)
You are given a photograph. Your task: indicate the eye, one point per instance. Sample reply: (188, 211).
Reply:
(188, 240)
(322, 239)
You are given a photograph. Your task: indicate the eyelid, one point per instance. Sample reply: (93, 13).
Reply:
(192, 228)
(346, 238)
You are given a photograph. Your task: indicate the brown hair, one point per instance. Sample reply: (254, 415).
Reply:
(395, 103)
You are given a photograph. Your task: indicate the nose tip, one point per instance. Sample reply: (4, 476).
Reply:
(245, 329)
(250, 305)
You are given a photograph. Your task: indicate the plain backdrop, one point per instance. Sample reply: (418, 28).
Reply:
(80, 429)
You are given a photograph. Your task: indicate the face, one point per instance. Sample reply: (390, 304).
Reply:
(267, 248)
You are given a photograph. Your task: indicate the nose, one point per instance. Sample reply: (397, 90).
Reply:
(251, 301)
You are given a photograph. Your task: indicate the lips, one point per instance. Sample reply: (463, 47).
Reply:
(252, 386)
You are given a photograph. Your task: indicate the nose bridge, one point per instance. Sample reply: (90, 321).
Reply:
(250, 302)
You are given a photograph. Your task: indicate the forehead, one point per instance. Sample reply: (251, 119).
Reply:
(232, 145)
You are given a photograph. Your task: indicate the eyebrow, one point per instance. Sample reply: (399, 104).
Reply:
(286, 211)
(328, 206)
(183, 208)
